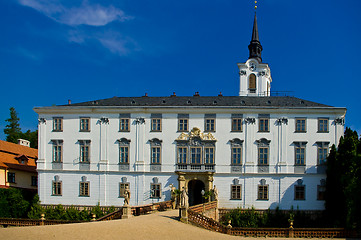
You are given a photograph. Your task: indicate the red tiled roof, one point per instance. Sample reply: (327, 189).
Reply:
(18, 149)
(11, 152)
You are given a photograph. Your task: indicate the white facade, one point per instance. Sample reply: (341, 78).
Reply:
(104, 173)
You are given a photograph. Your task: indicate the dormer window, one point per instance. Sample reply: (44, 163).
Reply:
(22, 159)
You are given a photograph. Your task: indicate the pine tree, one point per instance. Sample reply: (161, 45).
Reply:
(343, 194)
(12, 129)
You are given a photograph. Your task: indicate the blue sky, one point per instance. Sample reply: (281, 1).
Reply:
(52, 50)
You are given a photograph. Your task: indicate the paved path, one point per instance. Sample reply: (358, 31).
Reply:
(161, 225)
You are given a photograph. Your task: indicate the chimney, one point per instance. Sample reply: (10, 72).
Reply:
(69, 101)
(220, 94)
(173, 95)
(196, 94)
(24, 142)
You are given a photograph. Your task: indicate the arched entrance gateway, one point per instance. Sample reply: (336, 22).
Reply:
(195, 188)
(194, 183)
(195, 163)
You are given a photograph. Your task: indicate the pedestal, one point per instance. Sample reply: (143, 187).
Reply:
(184, 214)
(127, 212)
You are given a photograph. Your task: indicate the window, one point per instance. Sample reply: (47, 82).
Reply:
(155, 151)
(236, 151)
(262, 192)
(155, 190)
(300, 190)
(263, 156)
(196, 155)
(11, 177)
(124, 125)
(236, 192)
(57, 124)
(209, 125)
(322, 152)
(84, 151)
(236, 124)
(300, 153)
(209, 155)
(209, 122)
(122, 187)
(123, 154)
(57, 150)
(300, 125)
(263, 151)
(56, 187)
(156, 122)
(323, 125)
(123, 150)
(84, 124)
(84, 187)
(236, 155)
(183, 122)
(182, 154)
(263, 125)
(321, 190)
(252, 83)
(34, 181)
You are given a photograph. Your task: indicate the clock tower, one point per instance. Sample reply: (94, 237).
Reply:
(255, 76)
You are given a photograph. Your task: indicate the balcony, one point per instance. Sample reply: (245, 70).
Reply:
(195, 167)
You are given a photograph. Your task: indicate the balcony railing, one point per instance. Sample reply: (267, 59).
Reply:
(196, 167)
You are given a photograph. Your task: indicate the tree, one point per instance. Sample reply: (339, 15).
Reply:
(31, 136)
(12, 129)
(343, 191)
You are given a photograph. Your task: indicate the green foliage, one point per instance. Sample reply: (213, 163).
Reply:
(16, 203)
(97, 211)
(207, 194)
(36, 210)
(272, 218)
(12, 129)
(343, 191)
(31, 136)
(57, 213)
(110, 210)
(13, 204)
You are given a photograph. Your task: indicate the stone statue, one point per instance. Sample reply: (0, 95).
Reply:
(215, 193)
(126, 196)
(173, 194)
(184, 198)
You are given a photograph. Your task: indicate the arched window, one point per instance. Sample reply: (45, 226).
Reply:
(252, 83)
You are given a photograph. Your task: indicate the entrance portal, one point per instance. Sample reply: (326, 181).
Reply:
(195, 188)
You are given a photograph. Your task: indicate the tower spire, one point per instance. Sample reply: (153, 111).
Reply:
(255, 47)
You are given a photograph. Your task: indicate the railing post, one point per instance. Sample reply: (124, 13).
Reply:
(229, 227)
(42, 219)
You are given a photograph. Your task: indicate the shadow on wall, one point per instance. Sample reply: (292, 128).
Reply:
(287, 202)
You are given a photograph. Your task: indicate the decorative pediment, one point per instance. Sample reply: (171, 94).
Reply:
(196, 133)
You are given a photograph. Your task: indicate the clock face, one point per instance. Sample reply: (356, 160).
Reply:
(252, 66)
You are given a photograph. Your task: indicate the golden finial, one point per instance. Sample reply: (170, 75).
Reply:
(255, 5)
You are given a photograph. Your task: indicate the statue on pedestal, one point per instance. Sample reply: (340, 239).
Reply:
(184, 198)
(126, 196)
(215, 193)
